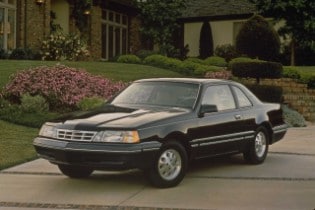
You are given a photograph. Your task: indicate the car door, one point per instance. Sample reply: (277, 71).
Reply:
(219, 131)
(248, 115)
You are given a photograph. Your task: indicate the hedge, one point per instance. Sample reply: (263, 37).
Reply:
(258, 69)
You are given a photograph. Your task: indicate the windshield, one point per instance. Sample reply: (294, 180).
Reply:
(170, 94)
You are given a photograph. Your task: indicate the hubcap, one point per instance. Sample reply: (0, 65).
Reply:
(260, 144)
(169, 164)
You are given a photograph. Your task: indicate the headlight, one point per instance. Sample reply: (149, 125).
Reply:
(117, 136)
(48, 130)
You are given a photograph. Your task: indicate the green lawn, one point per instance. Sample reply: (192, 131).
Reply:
(16, 144)
(115, 71)
(16, 141)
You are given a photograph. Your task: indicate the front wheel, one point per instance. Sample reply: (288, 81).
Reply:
(75, 171)
(258, 148)
(169, 167)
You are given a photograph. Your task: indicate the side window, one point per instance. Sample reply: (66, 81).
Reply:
(219, 95)
(242, 99)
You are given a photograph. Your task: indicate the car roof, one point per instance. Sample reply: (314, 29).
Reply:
(186, 80)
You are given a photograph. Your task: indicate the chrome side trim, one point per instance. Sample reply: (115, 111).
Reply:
(222, 139)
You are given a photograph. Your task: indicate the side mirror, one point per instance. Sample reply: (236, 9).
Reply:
(207, 108)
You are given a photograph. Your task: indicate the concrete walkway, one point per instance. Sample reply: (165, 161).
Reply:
(285, 181)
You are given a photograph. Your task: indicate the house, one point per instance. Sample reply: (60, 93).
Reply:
(111, 26)
(225, 18)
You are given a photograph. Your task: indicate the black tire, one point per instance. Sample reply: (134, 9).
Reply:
(169, 167)
(75, 171)
(258, 148)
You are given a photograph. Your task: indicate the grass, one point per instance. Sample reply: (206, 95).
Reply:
(16, 141)
(16, 144)
(114, 71)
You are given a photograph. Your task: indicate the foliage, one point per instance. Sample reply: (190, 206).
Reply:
(80, 7)
(33, 104)
(90, 103)
(215, 61)
(142, 54)
(205, 41)
(258, 69)
(223, 74)
(299, 20)
(22, 54)
(292, 117)
(226, 51)
(298, 15)
(60, 85)
(159, 21)
(58, 46)
(258, 39)
(202, 70)
(129, 59)
(290, 72)
(240, 60)
(275, 94)
(3, 54)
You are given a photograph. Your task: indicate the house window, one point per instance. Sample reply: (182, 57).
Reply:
(114, 34)
(7, 24)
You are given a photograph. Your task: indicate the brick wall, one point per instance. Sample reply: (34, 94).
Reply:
(33, 23)
(296, 95)
(96, 33)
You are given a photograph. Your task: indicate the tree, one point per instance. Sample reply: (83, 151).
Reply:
(258, 39)
(299, 17)
(159, 20)
(205, 41)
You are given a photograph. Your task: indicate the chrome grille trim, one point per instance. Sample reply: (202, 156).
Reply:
(75, 135)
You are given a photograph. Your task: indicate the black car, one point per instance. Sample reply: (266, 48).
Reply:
(159, 125)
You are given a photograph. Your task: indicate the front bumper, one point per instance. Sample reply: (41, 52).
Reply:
(97, 155)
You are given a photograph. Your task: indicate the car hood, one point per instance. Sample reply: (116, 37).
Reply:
(121, 117)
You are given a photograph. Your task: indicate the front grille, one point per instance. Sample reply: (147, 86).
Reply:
(75, 135)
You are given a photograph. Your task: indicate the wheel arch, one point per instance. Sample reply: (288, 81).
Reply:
(181, 139)
(268, 127)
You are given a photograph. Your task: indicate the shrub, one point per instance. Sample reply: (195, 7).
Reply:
(226, 51)
(257, 38)
(58, 46)
(22, 54)
(33, 104)
(189, 67)
(224, 74)
(90, 103)
(142, 54)
(195, 60)
(3, 54)
(240, 60)
(60, 85)
(155, 60)
(290, 72)
(205, 41)
(267, 93)
(129, 59)
(215, 61)
(257, 69)
(309, 80)
(201, 70)
(292, 117)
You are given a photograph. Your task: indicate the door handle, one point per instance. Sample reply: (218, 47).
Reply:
(237, 116)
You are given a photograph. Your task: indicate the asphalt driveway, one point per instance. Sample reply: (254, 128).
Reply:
(285, 181)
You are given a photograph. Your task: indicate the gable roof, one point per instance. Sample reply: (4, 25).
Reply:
(217, 9)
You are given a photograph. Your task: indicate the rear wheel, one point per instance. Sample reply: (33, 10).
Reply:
(170, 166)
(75, 171)
(258, 148)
